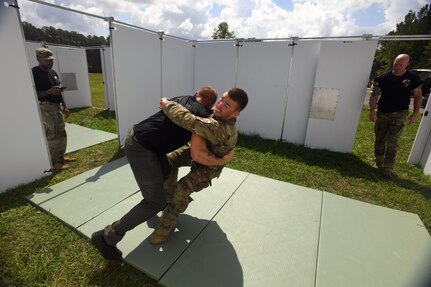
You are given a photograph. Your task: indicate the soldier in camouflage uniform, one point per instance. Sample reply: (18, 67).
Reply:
(392, 91)
(52, 107)
(219, 133)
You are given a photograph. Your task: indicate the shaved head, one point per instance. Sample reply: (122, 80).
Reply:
(401, 62)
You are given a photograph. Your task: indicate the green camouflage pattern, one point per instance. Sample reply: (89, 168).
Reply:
(55, 131)
(388, 128)
(198, 178)
(221, 138)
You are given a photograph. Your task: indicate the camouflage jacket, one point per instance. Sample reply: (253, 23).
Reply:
(221, 136)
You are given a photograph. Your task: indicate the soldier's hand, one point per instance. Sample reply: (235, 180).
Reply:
(54, 90)
(163, 102)
(412, 118)
(66, 112)
(228, 157)
(373, 116)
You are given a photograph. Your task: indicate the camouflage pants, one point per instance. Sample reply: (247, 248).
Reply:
(388, 129)
(198, 178)
(55, 132)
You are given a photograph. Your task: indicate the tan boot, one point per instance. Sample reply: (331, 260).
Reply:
(160, 234)
(69, 159)
(60, 166)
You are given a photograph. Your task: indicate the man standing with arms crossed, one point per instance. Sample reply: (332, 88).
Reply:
(391, 95)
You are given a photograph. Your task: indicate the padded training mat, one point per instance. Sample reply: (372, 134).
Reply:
(248, 230)
(79, 137)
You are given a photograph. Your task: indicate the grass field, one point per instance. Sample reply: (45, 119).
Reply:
(38, 250)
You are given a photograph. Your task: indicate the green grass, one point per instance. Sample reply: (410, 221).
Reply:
(38, 250)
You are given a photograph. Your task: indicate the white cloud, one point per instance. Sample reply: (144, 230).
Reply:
(248, 18)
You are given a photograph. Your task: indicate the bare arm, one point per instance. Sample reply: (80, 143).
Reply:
(202, 155)
(375, 93)
(417, 97)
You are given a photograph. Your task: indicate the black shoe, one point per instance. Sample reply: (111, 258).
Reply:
(387, 174)
(108, 252)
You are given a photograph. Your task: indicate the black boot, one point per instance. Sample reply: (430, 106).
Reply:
(108, 252)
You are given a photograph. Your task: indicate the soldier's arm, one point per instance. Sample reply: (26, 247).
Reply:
(204, 127)
(375, 93)
(417, 97)
(201, 154)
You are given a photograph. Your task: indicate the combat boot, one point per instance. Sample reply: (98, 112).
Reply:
(160, 234)
(108, 252)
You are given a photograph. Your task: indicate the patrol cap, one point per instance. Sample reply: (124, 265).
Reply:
(44, 53)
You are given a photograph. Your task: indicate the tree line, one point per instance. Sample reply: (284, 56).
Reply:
(415, 23)
(52, 35)
(420, 50)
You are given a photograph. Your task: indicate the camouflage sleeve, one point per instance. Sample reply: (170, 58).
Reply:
(205, 127)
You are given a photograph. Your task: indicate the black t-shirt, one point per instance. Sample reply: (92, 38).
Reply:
(396, 91)
(44, 81)
(160, 135)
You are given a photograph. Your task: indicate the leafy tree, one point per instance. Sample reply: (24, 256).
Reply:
(419, 51)
(222, 32)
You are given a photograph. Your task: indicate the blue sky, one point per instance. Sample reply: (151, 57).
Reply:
(196, 19)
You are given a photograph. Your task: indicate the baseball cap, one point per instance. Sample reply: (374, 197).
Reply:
(44, 53)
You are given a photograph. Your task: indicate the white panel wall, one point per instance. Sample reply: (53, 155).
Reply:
(421, 149)
(23, 153)
(136, 61)
(108, 85)
(74, 60)
(177, 67)
(300, 91)
(346, 66)
(215, 66)
(263, 73)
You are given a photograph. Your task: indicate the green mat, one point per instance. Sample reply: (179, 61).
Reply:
(247, 230)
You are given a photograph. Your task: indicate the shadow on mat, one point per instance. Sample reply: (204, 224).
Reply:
(190, 257)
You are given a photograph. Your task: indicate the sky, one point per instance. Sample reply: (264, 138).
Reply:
(196, 19)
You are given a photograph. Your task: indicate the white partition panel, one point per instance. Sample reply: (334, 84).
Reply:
(215, 66)
(108, 85)
(300, 91)
(136, 56)
(177, 67)
(73, 72)
(23, 153)
(421, 149)
(341, 81)
(263, 69)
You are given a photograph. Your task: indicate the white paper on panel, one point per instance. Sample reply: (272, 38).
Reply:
(343, 65)
(215, 66)
(300, 90)
(23, 154)
(108, 85)
(419, 154)
(136, 56)
(177, 67)
(73, 72)
(263, 69)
